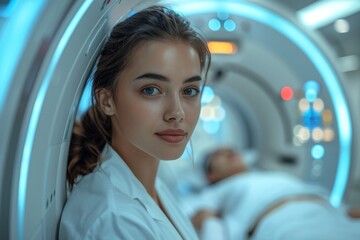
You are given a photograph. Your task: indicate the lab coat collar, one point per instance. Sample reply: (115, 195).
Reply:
(125, 181)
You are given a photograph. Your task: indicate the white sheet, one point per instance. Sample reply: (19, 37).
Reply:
(307, 220)
(241, 199)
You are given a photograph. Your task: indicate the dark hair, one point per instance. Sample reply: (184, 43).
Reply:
(94, 130)
(206, 163)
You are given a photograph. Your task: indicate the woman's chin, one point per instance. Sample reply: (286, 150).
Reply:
(172, 156)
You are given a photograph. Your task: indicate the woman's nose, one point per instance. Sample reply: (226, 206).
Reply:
(175, 111)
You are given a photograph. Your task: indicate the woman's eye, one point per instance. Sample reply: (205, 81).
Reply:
(150, 91)
(191, 91)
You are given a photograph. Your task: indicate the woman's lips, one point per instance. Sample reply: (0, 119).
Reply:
(172, 135)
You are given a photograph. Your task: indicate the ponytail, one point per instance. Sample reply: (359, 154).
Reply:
(89, 137)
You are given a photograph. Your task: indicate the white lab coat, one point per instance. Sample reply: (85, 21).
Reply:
(111, 203)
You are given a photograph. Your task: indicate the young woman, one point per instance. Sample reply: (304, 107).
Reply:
(146, 102)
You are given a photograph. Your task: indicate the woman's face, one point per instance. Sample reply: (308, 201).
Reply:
(225, 163)
(157, 102)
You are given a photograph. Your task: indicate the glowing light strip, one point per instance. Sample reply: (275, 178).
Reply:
(7, 10)
(322, 13)
(14, 34)
(286, 28)
(25, 163)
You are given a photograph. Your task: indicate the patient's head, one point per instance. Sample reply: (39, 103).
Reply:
(223, 163)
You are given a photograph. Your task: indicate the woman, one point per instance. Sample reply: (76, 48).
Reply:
(146, 102)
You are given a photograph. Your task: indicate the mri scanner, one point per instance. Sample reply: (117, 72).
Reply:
(281, 92)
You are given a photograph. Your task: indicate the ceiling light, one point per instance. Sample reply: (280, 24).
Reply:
(341, 26)
(322, 13)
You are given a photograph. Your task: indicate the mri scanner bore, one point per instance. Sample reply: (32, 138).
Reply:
(274, 92)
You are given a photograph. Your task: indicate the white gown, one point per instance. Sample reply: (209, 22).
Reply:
(111, 203)
(241, 199)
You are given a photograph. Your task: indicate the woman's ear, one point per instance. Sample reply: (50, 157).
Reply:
(106, 102)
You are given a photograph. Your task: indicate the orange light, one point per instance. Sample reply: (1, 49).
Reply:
(222, 47)
(329, 135)
(327, 116)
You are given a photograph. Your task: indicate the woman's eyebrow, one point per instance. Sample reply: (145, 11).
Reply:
(165, 79)
(193, 79)
(153, 76)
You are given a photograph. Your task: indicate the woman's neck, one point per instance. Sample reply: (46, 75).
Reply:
(142, 166)
(146, 172)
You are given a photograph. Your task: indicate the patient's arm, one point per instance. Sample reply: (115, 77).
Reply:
(199, 218)
(209, 225)
(354, 213)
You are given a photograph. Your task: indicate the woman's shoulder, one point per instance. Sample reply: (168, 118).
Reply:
(96, 208)
(94, 197)
(99, 187)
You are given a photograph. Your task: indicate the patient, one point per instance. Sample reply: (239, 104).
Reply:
(243, 204)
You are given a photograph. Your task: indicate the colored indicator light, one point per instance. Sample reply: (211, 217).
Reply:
(318, 105)
(207, 95)
(329, 135)
(304, 105)
(214, 24)
(286, 93)
(207, 113)
(327, 116)
(304, 134)
(229, 25)
(311, 95)
(317, 151)
(312, 89)
(211, 127)
(311, 84)
(311, 119)
(317, 134)
(222, 47)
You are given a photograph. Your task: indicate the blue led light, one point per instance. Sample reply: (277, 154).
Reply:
(85, 101)
(34, 119)
(311, 119)
(13, 41)
(302, 41)
(207, 95)
(211, 127)
(311, 89)
(312, 85)
(214, 24)
(311, 95)
(132, 12)
(317, 151)
(229, 25)
(7, 10)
